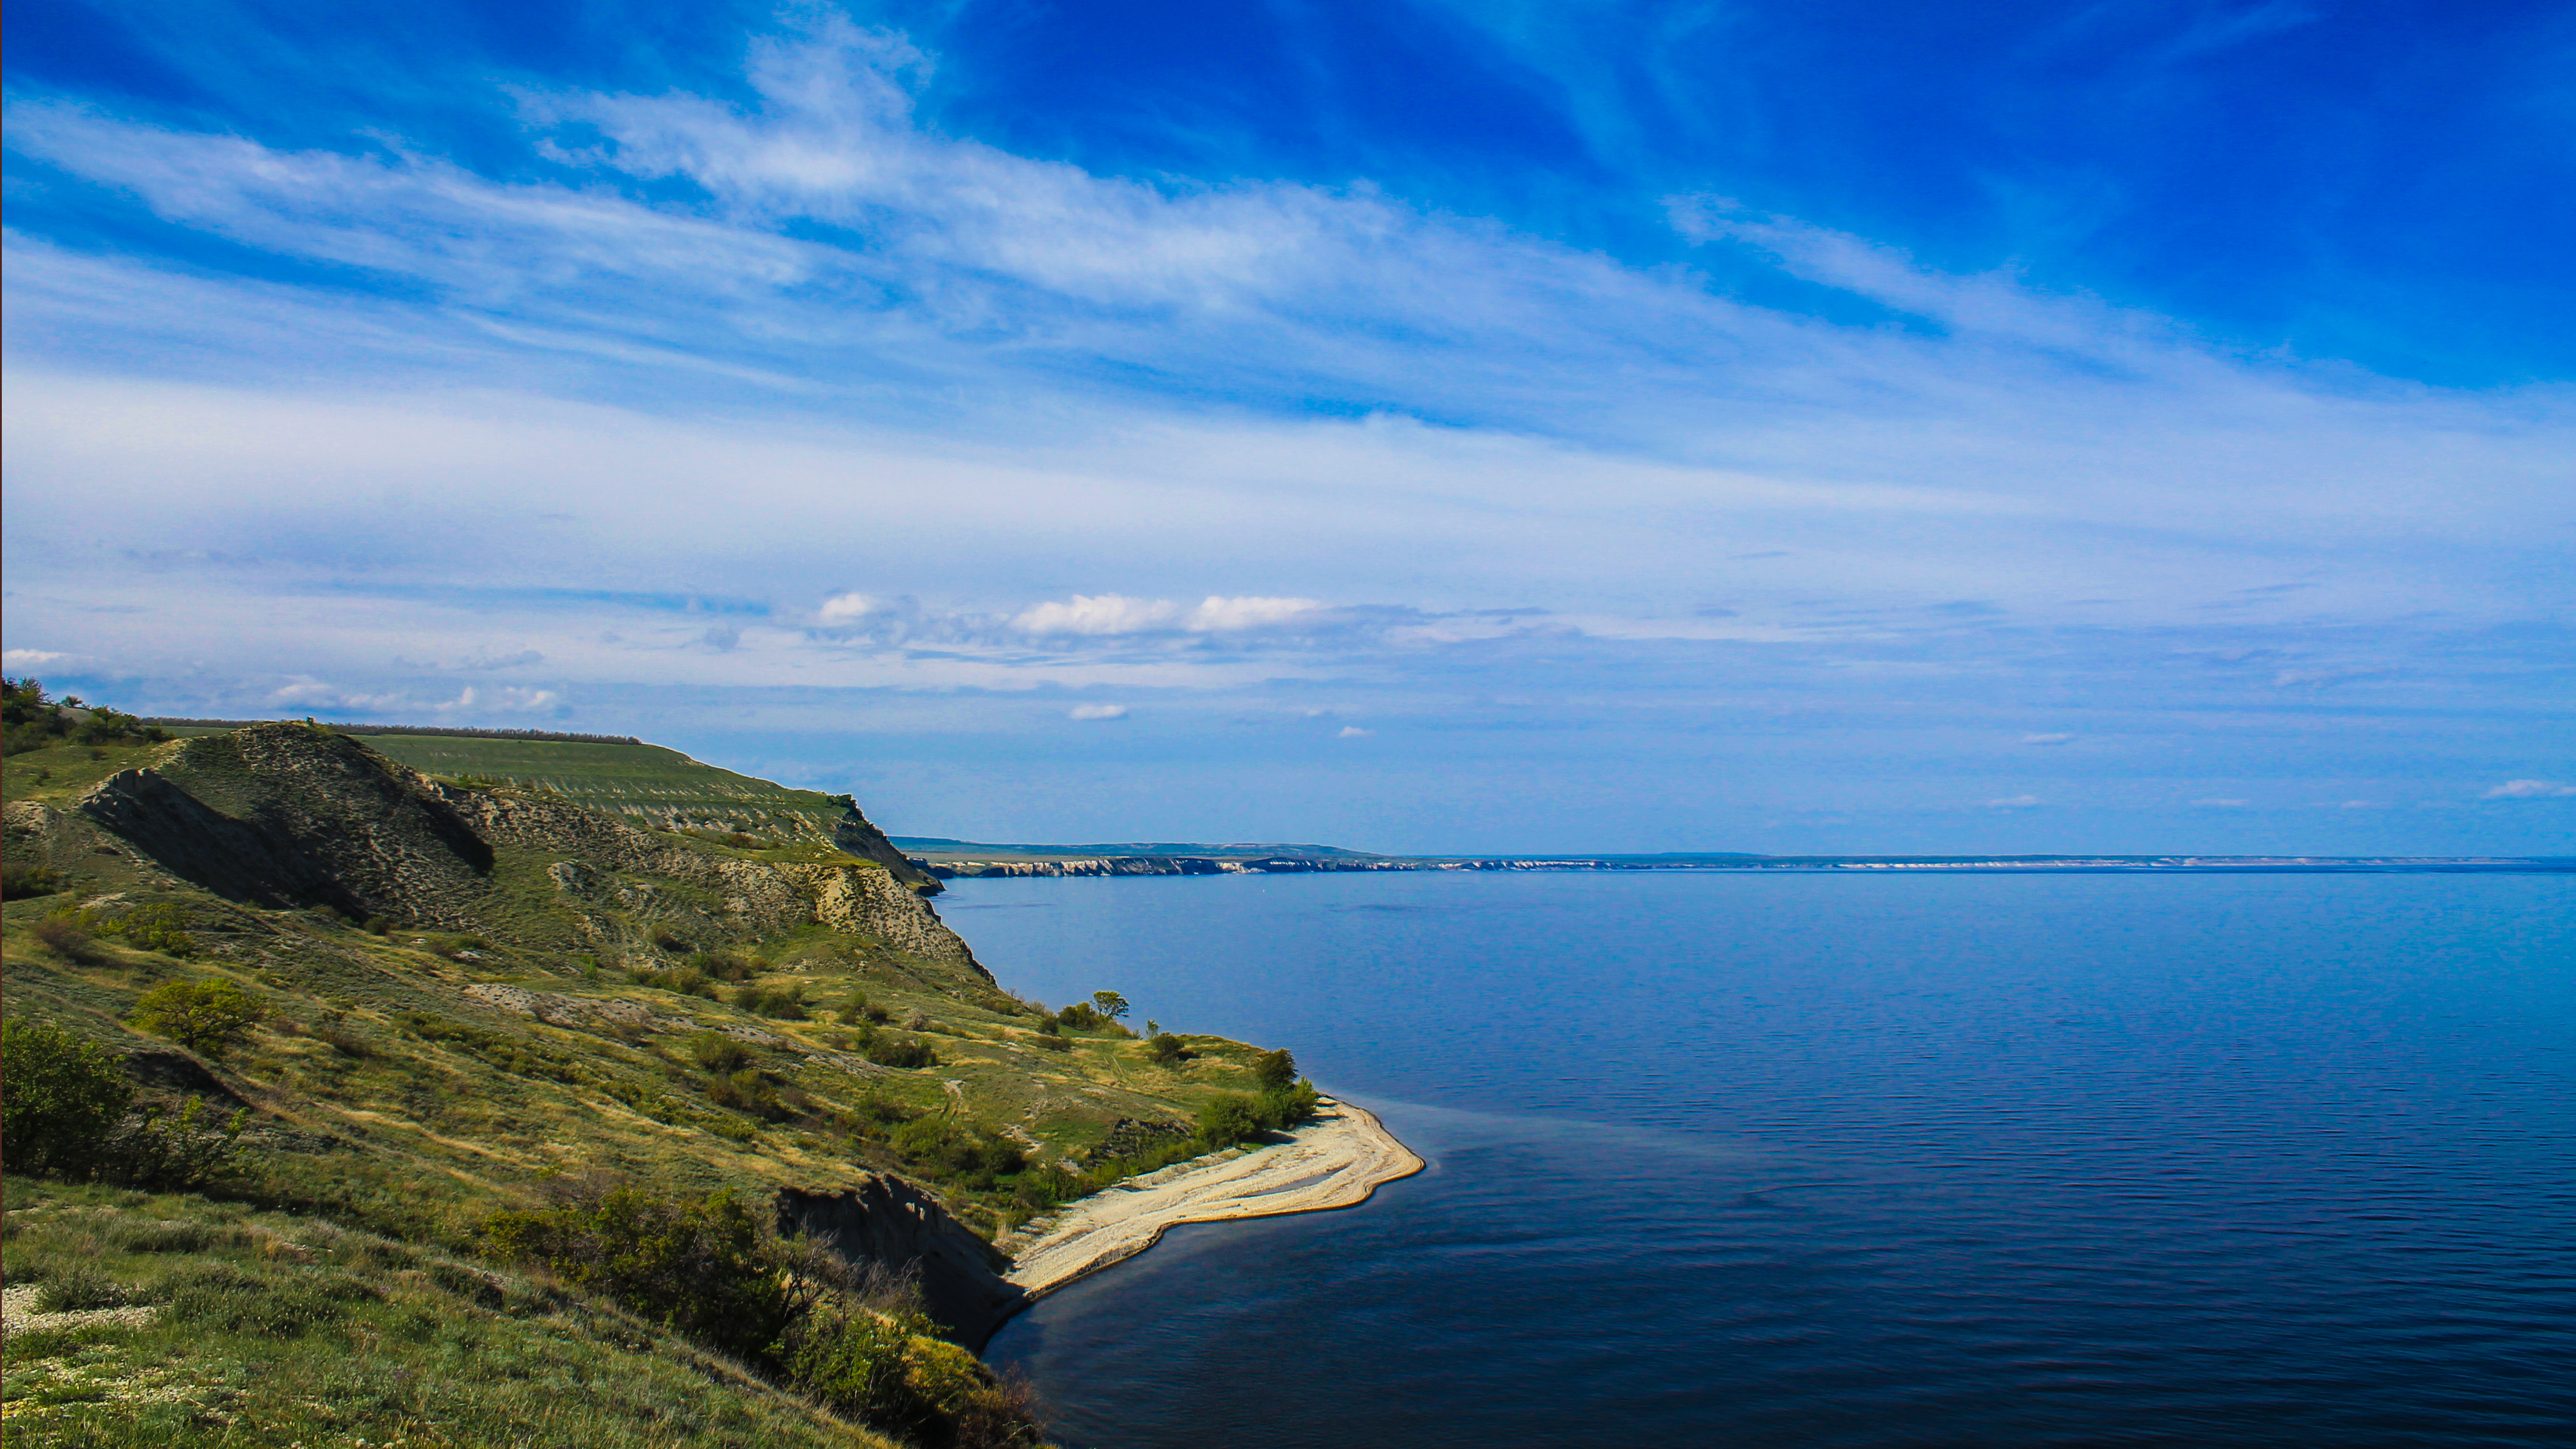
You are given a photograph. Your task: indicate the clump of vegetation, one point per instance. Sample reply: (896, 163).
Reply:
(33, 720)
(203, 1015)
(715, 1272)
(890, 1050)
(64, 1095)
(162, 928)
(1167, 1049)
(1285, 1101)
(787, 1003)
(26, 882)
(685, 982)
(63, 936)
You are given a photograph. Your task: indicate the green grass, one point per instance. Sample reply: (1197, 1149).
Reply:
(644, 784)
(270, 1329)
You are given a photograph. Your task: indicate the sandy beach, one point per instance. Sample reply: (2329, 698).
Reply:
(1335, 1161)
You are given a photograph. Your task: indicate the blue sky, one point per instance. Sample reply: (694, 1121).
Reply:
(1821, 427)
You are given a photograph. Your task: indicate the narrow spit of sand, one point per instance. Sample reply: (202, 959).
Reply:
(1335, 1161)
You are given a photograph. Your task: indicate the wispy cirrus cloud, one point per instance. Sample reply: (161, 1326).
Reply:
(2531, 790)
(860, 403)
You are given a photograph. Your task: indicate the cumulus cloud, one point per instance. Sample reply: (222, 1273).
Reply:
(2016, 802)
(1353, 732)
(512, 700)
(2049, 739)
(1105, 614)
(2530, 790)
(30, 658)
(1097, 711)
(1099, 614)
(1223, 615)
(845, 609)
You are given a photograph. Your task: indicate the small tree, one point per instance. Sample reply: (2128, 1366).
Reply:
(1275, 1069)
(202, 1016)
(64, 1097)
(1109, 1004)
(1166, 1048)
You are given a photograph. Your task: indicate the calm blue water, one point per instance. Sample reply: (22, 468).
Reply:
(1831, 1160)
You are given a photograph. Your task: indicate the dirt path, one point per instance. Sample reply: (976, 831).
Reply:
(1336, 1161)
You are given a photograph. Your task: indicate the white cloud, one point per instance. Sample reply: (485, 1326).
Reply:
(29, 658)
(845, 609)
(2016, 802)
(2360, 805)
(1353, 732)
(512, 700)
(2530, 790)
(1217, 614)
(2052, 739)
(1097, 711)
(2220, 804)
(1099, 614)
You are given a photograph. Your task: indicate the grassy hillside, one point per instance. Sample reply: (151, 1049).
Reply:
(463, 1000)
(646, 784)
(176, 1320)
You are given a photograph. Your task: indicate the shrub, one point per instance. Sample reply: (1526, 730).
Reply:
(172, 1152)
(747, 1091)
(25, 882)
(153, 928)
(63, 936)
(378, 926)
(899, 1051)
(668, 939)
(1082, 1016)
(1276, 1069)
(715, 1052)
(63, 1096)
(704, 1269)
(854, 1008)
(1168, 1049)
(1230, 1119)
(202, 1015)
(341, 1038)
(1054, 1044)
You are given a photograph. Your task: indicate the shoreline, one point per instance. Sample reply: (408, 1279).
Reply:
(1337, 1161)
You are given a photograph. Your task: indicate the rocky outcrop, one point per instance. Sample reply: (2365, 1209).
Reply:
(897, 1226)
(871, 903)
(289, 815)
(285, 815)
(854, 834)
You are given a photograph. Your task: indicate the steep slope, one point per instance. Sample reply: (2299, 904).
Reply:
(465, 992)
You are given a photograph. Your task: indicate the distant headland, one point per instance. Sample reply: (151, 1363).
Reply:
(949, 859)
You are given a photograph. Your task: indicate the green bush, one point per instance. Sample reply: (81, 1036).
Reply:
(747, 1091)
(1275, 1070)
(174, 1151)
(64, 1096)
(202, 1015)
(1167, 1048)
(1054, 1044)
(902, 1051)
(705, 1269)
(63, 935)
(715, 1052)
(1230, 1119)
(25, 882)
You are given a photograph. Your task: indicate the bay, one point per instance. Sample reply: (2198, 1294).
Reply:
(1835, 1160)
